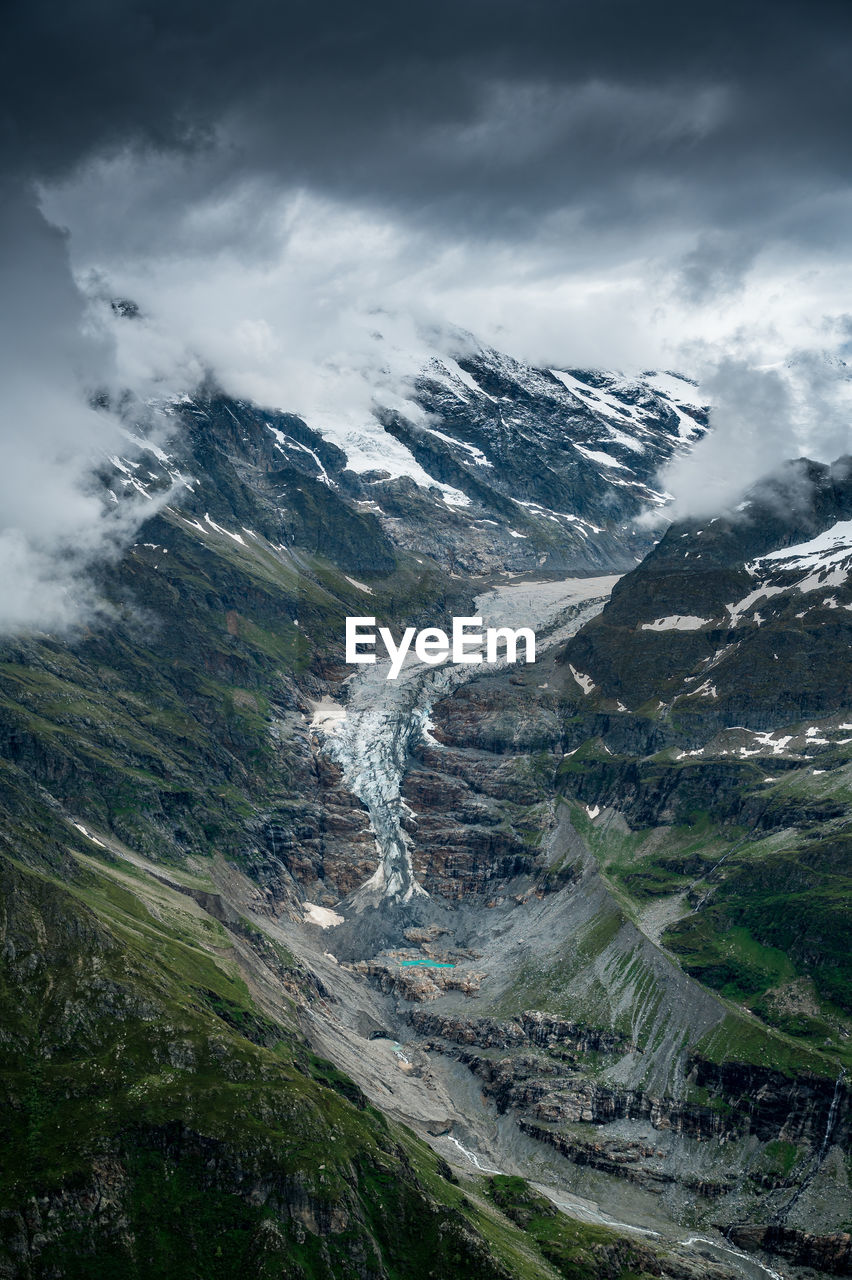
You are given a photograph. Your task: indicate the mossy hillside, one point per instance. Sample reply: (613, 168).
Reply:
(468, 1197)
(758, 911)
(137, 1069)
(682, 863)
(739, 1038)
(650, 862)
(831, 785)
(575, 1249)
(779, 1157)
(771, 920)
(150, 716)
(732, 961)
(566, 984)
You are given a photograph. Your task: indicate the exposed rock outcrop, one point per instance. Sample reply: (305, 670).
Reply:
(830, 1253)
(418, 983)
(532, 1026)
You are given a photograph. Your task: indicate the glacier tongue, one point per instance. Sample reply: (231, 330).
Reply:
(385, 717)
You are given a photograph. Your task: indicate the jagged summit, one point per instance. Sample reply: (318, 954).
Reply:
(489, 465)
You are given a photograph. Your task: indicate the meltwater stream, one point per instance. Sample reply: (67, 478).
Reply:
(371, 735)
(586, 1210)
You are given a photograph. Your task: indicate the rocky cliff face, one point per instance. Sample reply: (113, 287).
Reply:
(739, 622)
(552, 465)
(831, 1254)
(475, 825)
(551, 1082)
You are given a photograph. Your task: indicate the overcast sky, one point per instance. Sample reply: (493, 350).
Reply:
(620, 184)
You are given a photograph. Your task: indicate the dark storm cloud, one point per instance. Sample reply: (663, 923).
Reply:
(584, 181)
(499, 111)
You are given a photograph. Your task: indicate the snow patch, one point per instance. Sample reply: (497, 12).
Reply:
(361, 586)
(738, 610)
(476, 454)
(322, 916)
(832, 545)
(368, 447)
(237, 537)
(586, 683)
(673, 387)
(601, 458)
(766, 739)
(456, 371)
(89, 836)
(285, 442)
(677, 622)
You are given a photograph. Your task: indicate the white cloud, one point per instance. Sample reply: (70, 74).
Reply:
(256, 278)
(53, 521)
(760, 417)
(323, 308)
